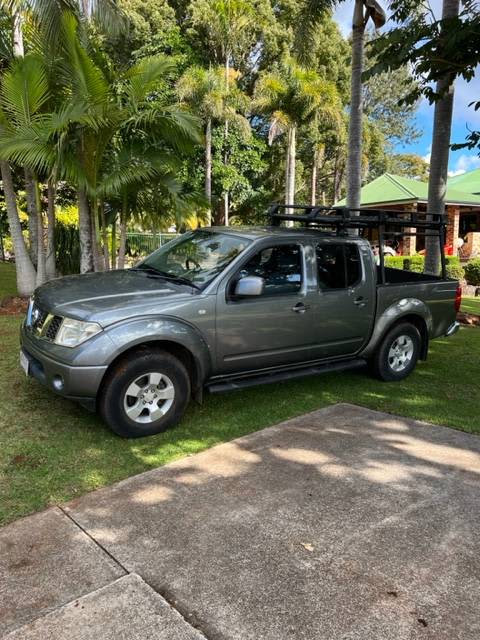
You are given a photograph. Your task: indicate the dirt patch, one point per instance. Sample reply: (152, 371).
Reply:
(468, 318)
(13, 305)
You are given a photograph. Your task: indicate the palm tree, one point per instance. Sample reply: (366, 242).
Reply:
(74, 142)
(231, 27)
(363, 11)
(442, 124)
(206, 92)
(292, 95)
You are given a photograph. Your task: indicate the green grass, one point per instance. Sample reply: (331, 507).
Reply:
(471, 305)
(8, 283)
(52, 450)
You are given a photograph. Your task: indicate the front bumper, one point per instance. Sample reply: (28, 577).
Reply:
(452, 329)
(75, 383)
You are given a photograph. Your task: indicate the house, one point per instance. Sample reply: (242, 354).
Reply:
(462, 204)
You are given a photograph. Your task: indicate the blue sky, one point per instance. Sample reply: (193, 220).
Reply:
(463, 115)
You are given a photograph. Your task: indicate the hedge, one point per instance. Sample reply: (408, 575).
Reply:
(472, 272)
(416, 263)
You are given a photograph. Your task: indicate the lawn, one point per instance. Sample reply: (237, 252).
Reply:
(471, 305)
(8, 284)
(52, 450)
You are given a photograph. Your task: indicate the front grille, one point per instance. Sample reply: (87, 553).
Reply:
(53, 327)
(38, 317)
(42, 324)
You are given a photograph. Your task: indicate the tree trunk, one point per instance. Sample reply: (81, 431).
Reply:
(17, 33)
(208, 169)
(113, 245)
(354, 159)
(318, 155)
(85, 230)
(50, 260)
(313, 185)
(123, 236)
(442, 125)
(31, 200)
(41, 257)
(292, 152)
(95, 227)
(287, 167)
(226, 203)
(104, 237)
(25, 270)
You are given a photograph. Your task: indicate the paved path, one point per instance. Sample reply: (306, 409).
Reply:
(342, 524)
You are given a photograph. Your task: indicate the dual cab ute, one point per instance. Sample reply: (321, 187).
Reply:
(226, 307)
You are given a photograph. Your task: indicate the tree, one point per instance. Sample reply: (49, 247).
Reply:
(75, 140)
(291, 95)
(364, 9)
(209, 97)
(409, 165)
(433, 48)
(230, 29)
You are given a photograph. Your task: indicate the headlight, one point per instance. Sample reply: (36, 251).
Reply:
(74, 332)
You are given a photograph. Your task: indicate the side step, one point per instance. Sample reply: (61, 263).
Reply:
(281, 376)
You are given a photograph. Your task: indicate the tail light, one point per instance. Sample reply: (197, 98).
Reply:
(458, 298)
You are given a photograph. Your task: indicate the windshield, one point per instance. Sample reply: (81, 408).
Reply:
(196, 257)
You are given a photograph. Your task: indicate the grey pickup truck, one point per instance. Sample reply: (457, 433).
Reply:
(222, 308)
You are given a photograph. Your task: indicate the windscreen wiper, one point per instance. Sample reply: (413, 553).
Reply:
(166, 276)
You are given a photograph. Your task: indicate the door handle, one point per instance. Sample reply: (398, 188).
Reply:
(299, 308)
(360, 301)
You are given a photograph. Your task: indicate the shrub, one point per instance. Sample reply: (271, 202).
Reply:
(417, 263)
(472, 272)
(455, 271)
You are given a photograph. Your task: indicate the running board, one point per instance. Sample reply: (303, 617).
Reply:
(282, 376)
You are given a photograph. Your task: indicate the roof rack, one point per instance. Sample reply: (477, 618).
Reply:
(343, 219)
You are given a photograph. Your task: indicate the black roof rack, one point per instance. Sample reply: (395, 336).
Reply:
(343, 219)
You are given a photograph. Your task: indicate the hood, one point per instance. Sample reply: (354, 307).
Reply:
(108, 297)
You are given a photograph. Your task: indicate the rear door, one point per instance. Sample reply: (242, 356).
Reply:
(343, 307)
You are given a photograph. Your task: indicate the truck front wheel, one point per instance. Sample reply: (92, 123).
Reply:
(398, 353)
(144, 393)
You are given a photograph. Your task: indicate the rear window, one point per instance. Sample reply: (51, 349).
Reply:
(338, 265)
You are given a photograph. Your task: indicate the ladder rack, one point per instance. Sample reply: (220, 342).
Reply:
(343, 219)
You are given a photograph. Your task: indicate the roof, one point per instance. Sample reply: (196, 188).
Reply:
(391, 189)
(468, 182)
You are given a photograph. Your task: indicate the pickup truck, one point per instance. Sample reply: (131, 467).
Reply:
(223, 308)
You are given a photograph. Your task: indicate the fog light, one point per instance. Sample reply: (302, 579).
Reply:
(58, 383)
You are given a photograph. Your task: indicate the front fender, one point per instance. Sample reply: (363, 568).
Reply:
(394, 313)
(130, 333)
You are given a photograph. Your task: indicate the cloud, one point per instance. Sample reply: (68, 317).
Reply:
(428, 155)
(465, 163)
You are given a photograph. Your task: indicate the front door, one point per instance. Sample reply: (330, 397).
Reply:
(271, 329)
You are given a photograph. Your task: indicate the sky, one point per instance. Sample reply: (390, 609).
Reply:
(464, 117)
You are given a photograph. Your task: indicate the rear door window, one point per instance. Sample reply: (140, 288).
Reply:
(338, 265)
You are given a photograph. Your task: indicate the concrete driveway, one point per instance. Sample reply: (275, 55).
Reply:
(341, 524)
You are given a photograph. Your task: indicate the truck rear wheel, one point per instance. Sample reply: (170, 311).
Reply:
(398, 353)
(145, 394)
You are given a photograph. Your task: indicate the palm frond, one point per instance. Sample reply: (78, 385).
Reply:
(24, 89)
(145, 76)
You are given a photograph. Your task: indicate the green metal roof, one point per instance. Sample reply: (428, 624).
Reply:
(468, 182)
(390, 189)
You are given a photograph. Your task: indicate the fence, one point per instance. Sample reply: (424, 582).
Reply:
(141, 244)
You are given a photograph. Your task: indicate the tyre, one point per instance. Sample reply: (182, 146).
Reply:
(397, 355)
(144, 394)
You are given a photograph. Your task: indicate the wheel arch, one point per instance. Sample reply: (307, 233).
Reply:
(411, 310)
(194, 367)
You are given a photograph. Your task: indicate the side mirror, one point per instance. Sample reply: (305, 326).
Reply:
(249, 286)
